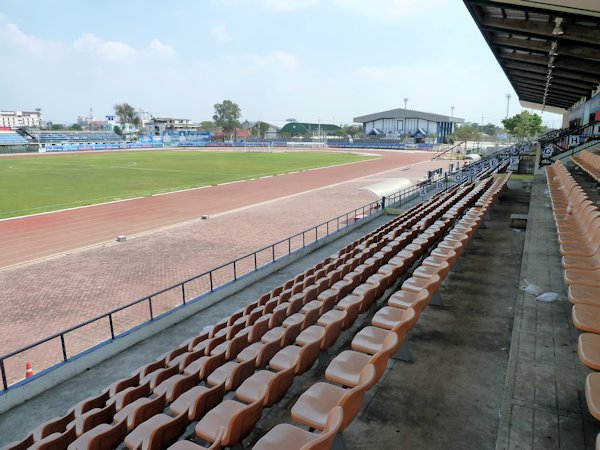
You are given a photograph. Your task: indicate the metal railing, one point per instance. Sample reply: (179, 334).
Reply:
(63, 346)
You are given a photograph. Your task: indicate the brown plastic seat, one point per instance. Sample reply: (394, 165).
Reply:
(197, 401)
(94, 417)
(122, 384)
(205, 365)
(231, 347)
(196, 340)
(370, 339)
(588, 348)
(260, 352)
(345, 368)
(388, 317)
(313, 406)
(334, 322)
(129, 395)
(301, 357)
(56, 441)
(23, 444)
(592, 393)
(157, 433)
(184, 360)
(409, 299)
(55, 425)
(584, 294)
(586, 317)
(150, 367)
(237, 418)
(97, 401)
(351, 305)
(286, 436)
(158, 376)
(415, 284)
(101, 437)
(176, 352)
(277, 384)
(140, 411)
(176, 385)
(188, 445)
(232, 373)
(369, 294)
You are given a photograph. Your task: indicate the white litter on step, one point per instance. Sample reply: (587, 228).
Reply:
(547, 297)
(530, 288)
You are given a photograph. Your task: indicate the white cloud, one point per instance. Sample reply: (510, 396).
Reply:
(388, 9)
(161, 49)
(220, 33)
(287, 5)
(273, 59)
(29, 43)
(107, 50)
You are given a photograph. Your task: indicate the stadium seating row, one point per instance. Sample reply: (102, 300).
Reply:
(12, 138)
(578, 226)
(284, 330)
(49, 137)
(589, 162)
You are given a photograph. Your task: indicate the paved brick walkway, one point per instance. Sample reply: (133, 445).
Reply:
(45, 297)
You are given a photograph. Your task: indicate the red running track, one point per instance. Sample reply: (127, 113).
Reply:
(28, 238)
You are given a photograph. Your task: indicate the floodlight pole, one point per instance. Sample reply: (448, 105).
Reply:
(405, 102)
(507, 103)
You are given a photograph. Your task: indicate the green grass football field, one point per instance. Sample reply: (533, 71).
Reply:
(37, 184)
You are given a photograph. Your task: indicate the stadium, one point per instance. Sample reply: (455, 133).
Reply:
(383, 291)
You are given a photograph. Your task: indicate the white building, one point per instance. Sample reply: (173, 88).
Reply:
(405, 122)
(18, 119)
(158, 125)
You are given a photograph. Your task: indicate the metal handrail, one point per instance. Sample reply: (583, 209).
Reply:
(401, 198)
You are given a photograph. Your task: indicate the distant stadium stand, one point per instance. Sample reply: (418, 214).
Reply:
(12, 138)
(55, 137)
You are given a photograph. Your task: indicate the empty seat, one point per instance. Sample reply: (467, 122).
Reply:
(157, 433)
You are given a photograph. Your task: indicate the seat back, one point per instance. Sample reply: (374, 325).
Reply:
(267, 351)
(241, 371)
(59, 442)
(279, 385)
(110, 438)
(391, 343)
(308, 355)
(243, 421)
(167, 433)
(290, 334)
(260, 327)
(352, 400)
(205, 401)
(236, 345)
(408, 319)
(123, 383)
(324, 440)
(333, 330)
(98, 401)
(56, 425)
(151, 367)
(104, 415)
(23, 444)
(124, 398)
(184, 384)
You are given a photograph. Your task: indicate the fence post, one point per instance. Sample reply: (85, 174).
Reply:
(234, 271)
(150, 307)
(64, 347)
(183, 292)
(255, 263)
(112, 328)
(383, 202)
(211, 280)
(3, 370)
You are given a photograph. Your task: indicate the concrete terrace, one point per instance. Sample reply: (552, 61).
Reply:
(493, 368)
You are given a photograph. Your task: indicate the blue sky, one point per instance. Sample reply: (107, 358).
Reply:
(328, 60)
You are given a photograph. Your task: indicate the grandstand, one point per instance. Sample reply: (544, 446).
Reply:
(465, 317)
(12, 138)
(76, 137)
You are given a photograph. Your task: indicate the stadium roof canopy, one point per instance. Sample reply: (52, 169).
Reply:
(303, 127)
(549, 49)
(400, 113)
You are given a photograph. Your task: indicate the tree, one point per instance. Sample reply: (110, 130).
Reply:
(227, 116)
(260, 129)
(117, 130)
(523, 125)
(57, 127)
(75, 127)
(208, 125)
(467, 132)
(127, 114)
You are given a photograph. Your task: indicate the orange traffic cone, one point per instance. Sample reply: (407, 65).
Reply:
(28, 370)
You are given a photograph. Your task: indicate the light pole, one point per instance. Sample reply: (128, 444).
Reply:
(451, 111)
(507, 103)
(405, 102)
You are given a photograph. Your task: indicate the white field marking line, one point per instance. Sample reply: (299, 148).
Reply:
(191, 221)
(148, 194)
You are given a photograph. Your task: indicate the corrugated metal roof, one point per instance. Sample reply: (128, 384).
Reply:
(401, 113)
